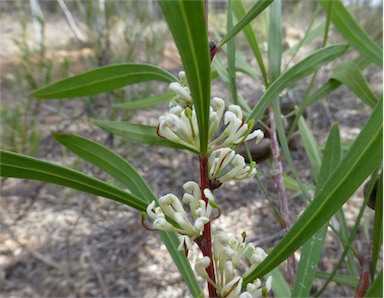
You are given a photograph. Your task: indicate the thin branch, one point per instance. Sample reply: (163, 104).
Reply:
(364, 281)
(278, 178)
(205, 241)
(71, 22)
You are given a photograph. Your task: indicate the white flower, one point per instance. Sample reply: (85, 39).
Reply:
(215, 115)
(218, 160)
(185, 243)
(163, 224)
(221, 158)
(180, 126)
(226, 254)
(201, 265)
(192, 196)
(256, 256)
(258, 134)
(233, 288)
(183, 95)
(183, 78)
(236, 132)
(254, 289)
(167, 126)
(171, 216)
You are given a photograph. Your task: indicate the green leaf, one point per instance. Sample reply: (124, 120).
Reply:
(305, 67)
(280, 286)
(103, 79)
(186, 20)
(275, 38)
(376, 288)
(25, 167)
(146, 102)
(347, 280)
(109, 162)
(239, 11)
(137, 132)
(349, 74)
(352, 32)
(329, 86)
(331, 157)
(363, 157)
(253, 12)
(311, 148)
(311, 251)
(309, 37)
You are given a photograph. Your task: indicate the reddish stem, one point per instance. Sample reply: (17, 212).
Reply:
(364, 282)
(205, 241)
(278, 177)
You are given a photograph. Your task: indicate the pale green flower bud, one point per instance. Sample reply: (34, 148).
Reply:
(201, 266)
(181, 92)
(183, 78)
(163, 224)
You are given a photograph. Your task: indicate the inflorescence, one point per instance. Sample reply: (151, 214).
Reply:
(180, 126)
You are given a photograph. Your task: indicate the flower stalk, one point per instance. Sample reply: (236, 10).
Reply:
(205, 242)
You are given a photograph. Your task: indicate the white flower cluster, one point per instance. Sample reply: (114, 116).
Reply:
(180, 126)
(171, 216)
(220, 159)
(227, 253)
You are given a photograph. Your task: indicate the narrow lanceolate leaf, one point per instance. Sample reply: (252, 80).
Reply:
(275, 40)
(349, 74)
(239, 11)
(330, 86)
(311, 148)
(186, 20)
(309, 37)
(103, 79)
(311, 251)
(340, 279)
(146, 102)
(362, 158)
(108, 161)
(280, 286)
(352, 32)
(25, 167)
(137, 132)
(305, 67)
(254, 11)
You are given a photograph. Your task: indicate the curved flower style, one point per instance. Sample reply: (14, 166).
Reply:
(227, 253)
(219, 161)
(177, 218)
(236, 132)
(183, 95)
(180, 126)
